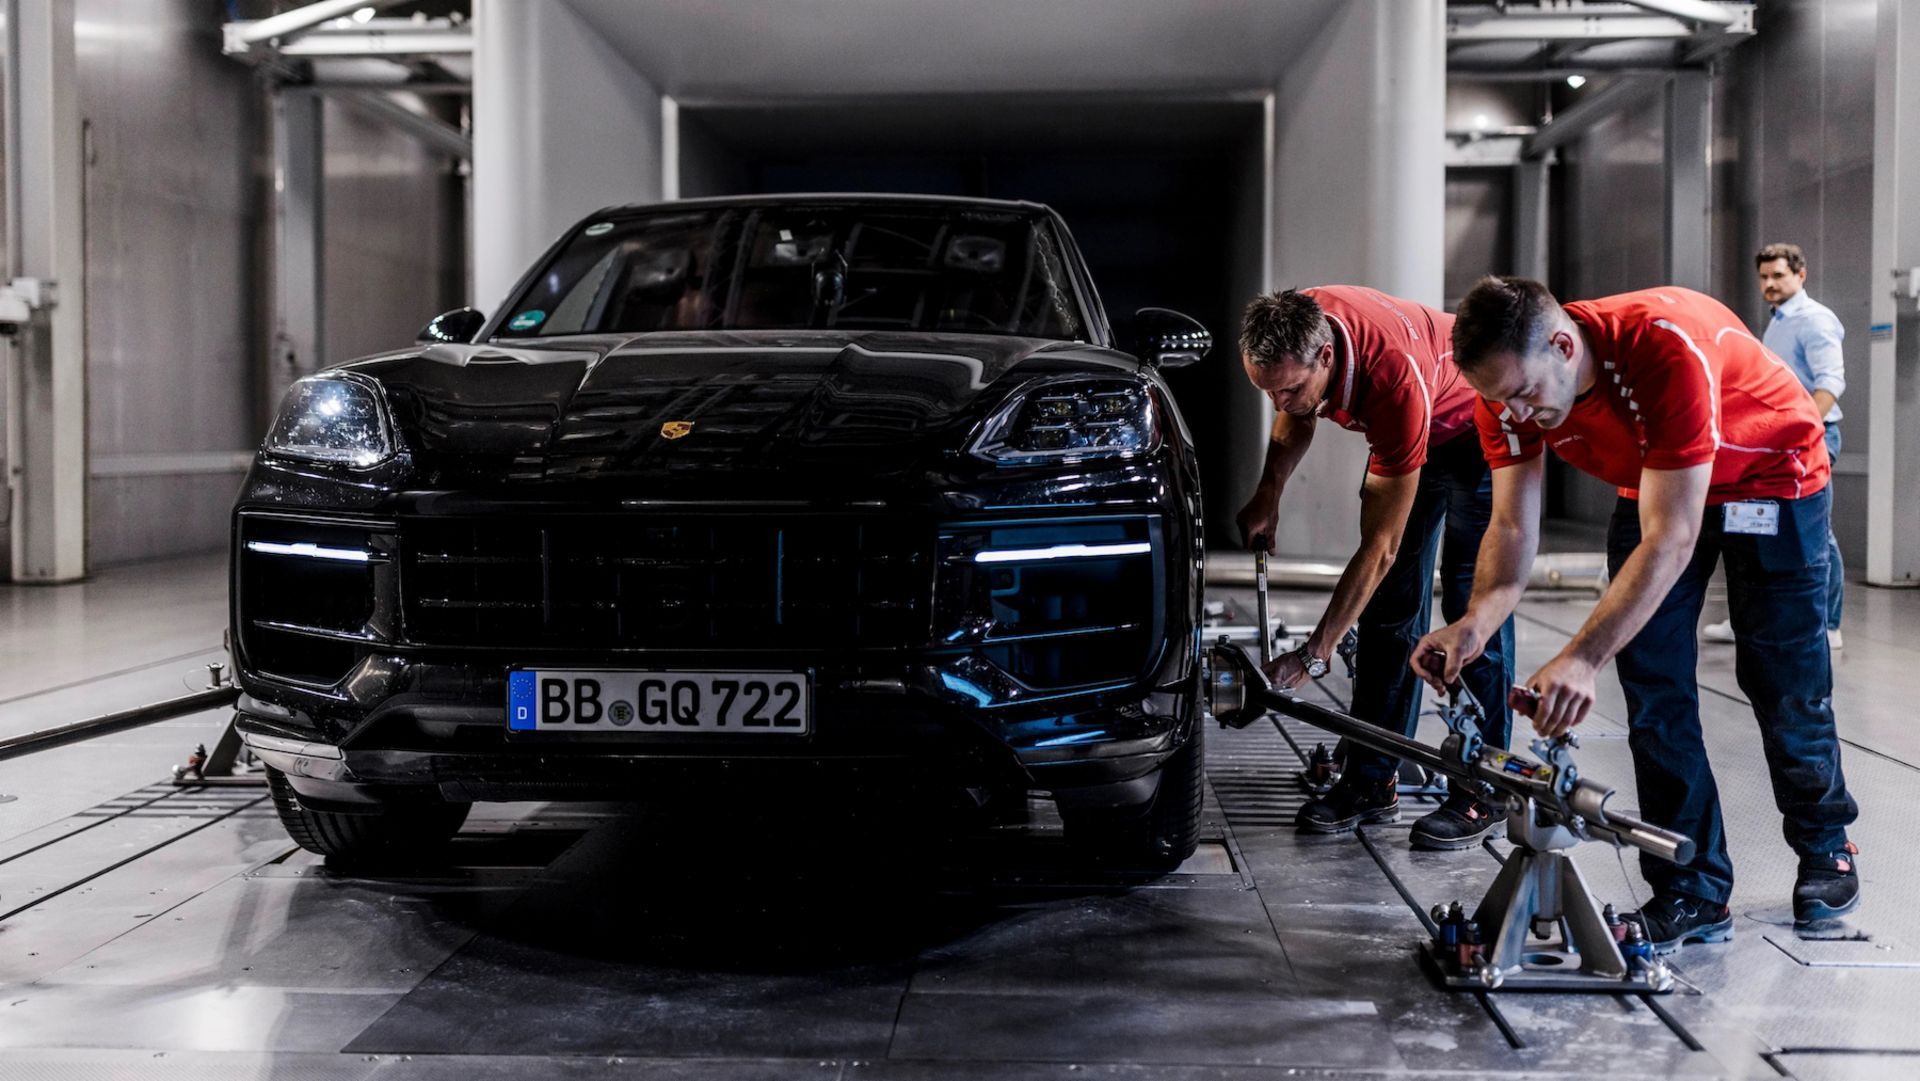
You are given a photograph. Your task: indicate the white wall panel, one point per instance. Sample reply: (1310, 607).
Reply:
(178, 357)
(563, 125)
(1360, 188)
(173, 214)
(393, 206)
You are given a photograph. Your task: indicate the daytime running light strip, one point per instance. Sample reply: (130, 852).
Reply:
(1061, 551)
(309, 551)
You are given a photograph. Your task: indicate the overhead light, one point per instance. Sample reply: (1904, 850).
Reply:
(364, 15)
(1576, 81)
(1481, 122)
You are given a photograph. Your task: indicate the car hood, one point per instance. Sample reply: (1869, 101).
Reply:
(693, 406)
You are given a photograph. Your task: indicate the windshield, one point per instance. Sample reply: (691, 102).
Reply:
(886, 267)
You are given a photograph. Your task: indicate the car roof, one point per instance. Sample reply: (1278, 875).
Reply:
(815, 198)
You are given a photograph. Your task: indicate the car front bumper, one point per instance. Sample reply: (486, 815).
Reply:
(423, 746)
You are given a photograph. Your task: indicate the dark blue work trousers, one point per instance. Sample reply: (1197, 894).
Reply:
(1836, 569)
(1449, 516)
(1777, 590)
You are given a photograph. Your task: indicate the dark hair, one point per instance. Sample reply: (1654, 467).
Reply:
(1501, 315)
(1796, 259)
(1286, 327)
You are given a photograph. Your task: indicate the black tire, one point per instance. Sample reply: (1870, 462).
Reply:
(409, 833)
(1160, 835)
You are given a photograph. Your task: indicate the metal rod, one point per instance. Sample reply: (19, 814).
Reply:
(1698, 11)
(431, 131)
(335, 86)
(287, 24)
(1260, 591)
(211, 698)
(1372, 735)
(1623, 829)
(1618, 96)
(1585, 571)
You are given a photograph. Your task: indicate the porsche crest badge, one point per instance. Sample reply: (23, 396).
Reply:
(674, 429)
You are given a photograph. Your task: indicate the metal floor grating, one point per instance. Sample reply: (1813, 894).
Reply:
(220, 951)
(1254, 776)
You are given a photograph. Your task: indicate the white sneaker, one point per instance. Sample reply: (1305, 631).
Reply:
(1721, 631)
(1834, 641)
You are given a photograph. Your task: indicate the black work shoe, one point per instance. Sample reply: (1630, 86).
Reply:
(1458, 823)
(1828, 886)
(1672, 920)
(1352, 801)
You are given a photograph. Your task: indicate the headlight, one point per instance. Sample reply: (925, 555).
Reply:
(336, 417)
(1071, 419)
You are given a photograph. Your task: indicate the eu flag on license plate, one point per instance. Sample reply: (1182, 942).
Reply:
(523, 699)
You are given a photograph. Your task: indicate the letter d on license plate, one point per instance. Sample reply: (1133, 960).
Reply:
(659, 703)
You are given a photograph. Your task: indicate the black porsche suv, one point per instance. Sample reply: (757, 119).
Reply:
(775, 490)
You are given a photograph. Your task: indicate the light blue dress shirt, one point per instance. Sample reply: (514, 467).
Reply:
(1806, 334)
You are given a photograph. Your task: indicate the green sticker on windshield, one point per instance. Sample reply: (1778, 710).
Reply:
(598, 228)
(527, 320)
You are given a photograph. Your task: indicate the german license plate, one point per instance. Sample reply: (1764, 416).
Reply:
(658, 703)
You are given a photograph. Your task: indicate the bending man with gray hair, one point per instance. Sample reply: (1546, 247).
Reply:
(1381, 366)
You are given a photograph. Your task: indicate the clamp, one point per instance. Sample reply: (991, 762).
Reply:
(1464, 718)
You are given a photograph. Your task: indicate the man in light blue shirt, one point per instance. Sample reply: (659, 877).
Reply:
(1806, 334)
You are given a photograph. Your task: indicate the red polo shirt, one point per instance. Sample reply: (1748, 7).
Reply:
(1680, 383)
(1393, 376)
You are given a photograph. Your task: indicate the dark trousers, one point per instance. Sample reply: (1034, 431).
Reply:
(1836, 570)
(1448, 518)
(1777, 590)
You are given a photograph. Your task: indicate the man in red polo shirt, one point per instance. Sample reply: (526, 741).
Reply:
(1719, 455)
(1378, 365)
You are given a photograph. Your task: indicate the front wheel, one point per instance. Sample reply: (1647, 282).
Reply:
(390, 836)
(1160, 835)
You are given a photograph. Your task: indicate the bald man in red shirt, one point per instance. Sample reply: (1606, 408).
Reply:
(1381, 366)
(1719, 455)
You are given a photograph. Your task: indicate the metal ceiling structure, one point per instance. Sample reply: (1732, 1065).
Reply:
(1632, 52)
(384, 69)
(346, 47)
(1551, 39)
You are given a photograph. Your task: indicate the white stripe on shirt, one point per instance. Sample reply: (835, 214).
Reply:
(1353, 360)
(1713, 392)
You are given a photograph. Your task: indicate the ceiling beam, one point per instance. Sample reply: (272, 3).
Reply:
(1621, 94)
(1588, 22)
(1470, 74)
(435, 133)
(436, 87)
(398, 42)
(1698, 11)
(241, 37)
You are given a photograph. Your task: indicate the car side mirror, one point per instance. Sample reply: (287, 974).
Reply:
(1169, 339)
(459, 326)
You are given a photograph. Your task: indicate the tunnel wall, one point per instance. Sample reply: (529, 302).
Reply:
(178, 235)
(1793, 161)
(1799, 113)
(395, 245)
(562, 125)
(173, 219)
(1359, 198)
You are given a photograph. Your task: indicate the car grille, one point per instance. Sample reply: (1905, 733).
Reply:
(734, 581)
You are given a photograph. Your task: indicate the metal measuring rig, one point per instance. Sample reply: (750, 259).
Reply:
(1539, 926)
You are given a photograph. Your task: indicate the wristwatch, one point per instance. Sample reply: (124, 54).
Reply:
(1315, 666)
